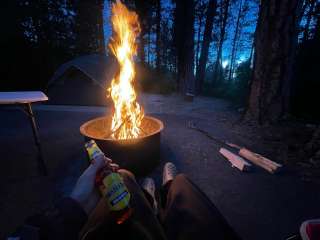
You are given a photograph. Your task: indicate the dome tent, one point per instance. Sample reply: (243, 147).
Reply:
(82, 81)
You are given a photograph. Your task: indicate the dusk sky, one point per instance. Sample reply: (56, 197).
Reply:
(244, 46)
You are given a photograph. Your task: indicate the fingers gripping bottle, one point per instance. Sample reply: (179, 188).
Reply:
(111, 186)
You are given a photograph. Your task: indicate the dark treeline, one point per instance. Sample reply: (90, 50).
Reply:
(260, 54)
(39, 35)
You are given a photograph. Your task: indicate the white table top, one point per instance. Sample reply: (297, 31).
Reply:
(22, 97)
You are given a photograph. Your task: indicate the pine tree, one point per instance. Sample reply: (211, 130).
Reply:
(272, 73)
(224, 14)
(207, 38)
(184, 39)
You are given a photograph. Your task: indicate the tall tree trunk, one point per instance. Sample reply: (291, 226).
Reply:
(201, 70)
(141, 50)
(234, 43)
(316, 34)
(253, 47)
(101, 43)
(89, 27)
(158, 32)
(225, 14)
(184, 44)
(312, 148)
(148, 49)
(275, 45)
(198, 40)
(309, 17)
(142, 9)
(251, 54)
(317, 29)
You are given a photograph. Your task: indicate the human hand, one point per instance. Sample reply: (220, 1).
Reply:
(84, 191)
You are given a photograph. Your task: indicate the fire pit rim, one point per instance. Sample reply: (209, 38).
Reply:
(86, 134)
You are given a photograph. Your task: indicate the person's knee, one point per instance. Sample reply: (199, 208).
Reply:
(180, 179)
(179, 186)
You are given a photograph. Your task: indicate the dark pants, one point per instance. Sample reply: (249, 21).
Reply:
(185, 213)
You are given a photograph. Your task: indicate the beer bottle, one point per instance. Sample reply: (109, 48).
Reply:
(111, 186)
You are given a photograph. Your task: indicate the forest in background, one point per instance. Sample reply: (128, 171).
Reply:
(260, 54)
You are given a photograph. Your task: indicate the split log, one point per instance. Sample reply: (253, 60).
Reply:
(235, 160)
(259, 160)
(117, 129)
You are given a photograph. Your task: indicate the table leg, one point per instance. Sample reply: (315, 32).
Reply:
(41, 163)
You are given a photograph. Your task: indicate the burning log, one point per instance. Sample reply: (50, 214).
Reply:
(113, 132)
(128, 114)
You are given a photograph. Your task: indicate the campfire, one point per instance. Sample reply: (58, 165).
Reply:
(128, 114)
(128, 136)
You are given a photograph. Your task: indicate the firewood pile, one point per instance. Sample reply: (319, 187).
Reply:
(240, 157)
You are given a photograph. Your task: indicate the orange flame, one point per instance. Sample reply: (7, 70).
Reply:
(128, 114)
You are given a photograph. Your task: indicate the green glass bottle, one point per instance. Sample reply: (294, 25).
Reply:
(111, 186)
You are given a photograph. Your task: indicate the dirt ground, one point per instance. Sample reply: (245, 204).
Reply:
(257, 204)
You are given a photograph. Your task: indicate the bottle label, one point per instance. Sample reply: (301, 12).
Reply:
(113, 187)
(116, 192)
(93, 149)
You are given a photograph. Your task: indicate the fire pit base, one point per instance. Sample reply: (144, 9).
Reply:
(140, 155)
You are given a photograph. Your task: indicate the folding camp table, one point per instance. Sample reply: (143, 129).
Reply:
(25, 99)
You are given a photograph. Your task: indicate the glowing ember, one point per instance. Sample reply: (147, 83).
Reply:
(128, 114)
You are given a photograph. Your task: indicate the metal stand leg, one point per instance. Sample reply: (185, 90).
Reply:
(41, 163)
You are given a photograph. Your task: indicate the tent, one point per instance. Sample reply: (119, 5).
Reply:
(82, 81)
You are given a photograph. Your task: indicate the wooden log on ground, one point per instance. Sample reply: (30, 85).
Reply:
(235, 160)
(259, 160)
